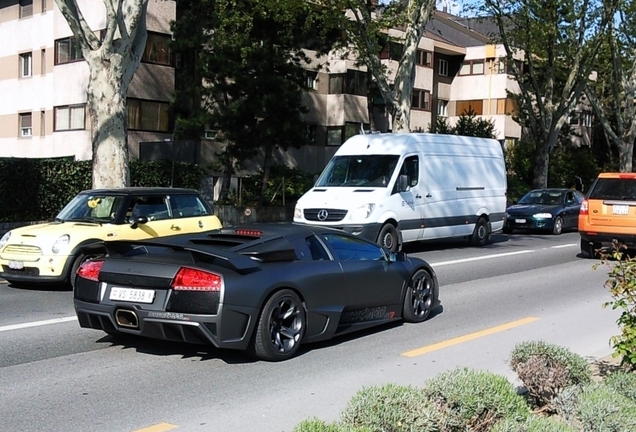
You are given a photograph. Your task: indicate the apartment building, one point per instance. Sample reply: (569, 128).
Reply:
(43, 80)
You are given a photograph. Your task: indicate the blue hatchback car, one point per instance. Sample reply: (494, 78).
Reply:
(552, 210)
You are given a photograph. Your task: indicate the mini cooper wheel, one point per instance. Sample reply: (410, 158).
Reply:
(418, 300)
(280, 327)
(558, 226)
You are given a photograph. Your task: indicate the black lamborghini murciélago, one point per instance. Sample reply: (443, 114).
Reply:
(263, 288)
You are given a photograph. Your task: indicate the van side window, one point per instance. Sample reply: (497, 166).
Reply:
(410, 167)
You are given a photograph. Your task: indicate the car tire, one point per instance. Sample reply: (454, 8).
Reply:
(589, 250)
(557, 229)
(388, 237)
(280, 327)
(507, 230)
(481, 233)
(418, 299)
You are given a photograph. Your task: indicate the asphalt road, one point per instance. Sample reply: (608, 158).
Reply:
(55, 376)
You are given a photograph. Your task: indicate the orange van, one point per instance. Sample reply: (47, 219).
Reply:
(608, 213)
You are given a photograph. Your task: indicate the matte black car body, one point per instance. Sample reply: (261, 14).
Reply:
(552, 210)
(282, 284)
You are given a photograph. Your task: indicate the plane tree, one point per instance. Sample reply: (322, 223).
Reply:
(112, 57)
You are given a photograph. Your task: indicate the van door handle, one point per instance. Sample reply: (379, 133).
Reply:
(418, 196)
(428, 195)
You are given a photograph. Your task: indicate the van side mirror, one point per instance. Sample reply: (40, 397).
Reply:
(402, 183)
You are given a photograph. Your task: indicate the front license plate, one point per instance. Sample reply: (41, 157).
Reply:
(132, 295)
(16, 265)
(620, 209)
(520, 221)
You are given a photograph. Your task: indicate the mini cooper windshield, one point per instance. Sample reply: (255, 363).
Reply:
(356, 171)
(91, 208)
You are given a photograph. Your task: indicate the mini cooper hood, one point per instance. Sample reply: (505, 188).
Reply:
(532, 208)
(341, 197)
(49, 232)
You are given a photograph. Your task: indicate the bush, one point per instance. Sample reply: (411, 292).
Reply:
(285, 186)
(624, 383)
(474, 400)
(599, 408)
(391, 408)
(533, 423)
(315, 425)
(546, 369)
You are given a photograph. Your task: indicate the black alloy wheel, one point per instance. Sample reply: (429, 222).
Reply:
(280, 327)
(418, 300)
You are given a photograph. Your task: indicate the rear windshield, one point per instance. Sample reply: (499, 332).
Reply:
(618, 189)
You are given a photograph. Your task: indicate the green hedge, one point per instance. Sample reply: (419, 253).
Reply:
(37, 189)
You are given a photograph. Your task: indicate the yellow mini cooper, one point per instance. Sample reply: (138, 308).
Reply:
(50, 252)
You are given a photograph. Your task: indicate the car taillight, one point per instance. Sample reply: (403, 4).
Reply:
(584, 208)
(189, 279)
(90, 270)
(627, 175)
(249, 232)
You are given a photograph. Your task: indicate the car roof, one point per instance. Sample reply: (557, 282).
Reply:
(141, 190)
(552, 190)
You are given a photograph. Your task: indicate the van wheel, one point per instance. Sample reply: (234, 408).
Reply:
(388, 237)
(481, 234)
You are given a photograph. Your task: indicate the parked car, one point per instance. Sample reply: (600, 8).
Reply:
(51, 252)
(264, 288)
(552, 210)
(608, 213)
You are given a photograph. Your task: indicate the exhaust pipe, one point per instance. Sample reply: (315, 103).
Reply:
(126, 318)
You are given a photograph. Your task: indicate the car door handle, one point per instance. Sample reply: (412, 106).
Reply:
(175, 227)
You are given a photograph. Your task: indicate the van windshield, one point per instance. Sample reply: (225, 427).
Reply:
(356, 171)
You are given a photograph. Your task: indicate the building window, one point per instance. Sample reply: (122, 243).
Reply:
(425, 58)
(157, 49)
(421, 99)
(26, 8)
(335, 135)
(353, 128)
(70, 117)
(42, 123)
(44, 9)
(472, 67)
(26, 62)
(311, 80)
(43, 61)
(148, 115)
(506, 106)
(26, 125)
(442, 108)
(67, 50)
(353, 82)
(465, 107)
(443, 67)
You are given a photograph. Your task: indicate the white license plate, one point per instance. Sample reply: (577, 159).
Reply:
(620, 209)
(520, 221)
(132, 295)
(16, 265)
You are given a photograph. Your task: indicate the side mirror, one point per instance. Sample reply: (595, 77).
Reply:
(140, 220)
(397, 256)
(402, 183)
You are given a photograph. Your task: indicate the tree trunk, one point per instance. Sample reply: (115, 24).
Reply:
(541, 165)
(226, 177)
(626, 155)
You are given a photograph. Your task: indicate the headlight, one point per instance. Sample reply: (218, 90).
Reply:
(542, 216)
(4, 239)
(60, 243)
(298, 213)
(362, 212)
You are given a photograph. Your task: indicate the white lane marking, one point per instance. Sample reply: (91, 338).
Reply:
(37, 323)
(443, 263)
(564, 246)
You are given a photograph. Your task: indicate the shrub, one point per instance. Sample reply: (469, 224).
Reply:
(315, 425)
(621, 283)
(624, 383)
(533, 423)
(391, 408)
(599, 408)
(475, 400)
(546, 369)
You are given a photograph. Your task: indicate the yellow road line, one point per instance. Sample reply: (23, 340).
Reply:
(468, 337)
(161, 427)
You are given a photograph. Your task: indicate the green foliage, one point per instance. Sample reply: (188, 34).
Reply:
(533, 423)
(600, 408)
(475, 400)
(285, 185)
(621, 283)
(47, 185)
(315, 425)
(623, 382)
(546, 369)
(468, 124)
(391, 408)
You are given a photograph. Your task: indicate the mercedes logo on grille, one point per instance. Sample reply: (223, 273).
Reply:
(323, 214)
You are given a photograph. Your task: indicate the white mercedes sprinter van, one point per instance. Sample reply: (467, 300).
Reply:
(394, 188)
